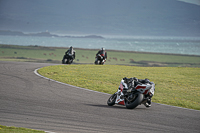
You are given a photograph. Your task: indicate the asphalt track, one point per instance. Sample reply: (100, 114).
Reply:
(30, 101)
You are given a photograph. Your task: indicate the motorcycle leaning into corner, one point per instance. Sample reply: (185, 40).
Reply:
(68, 59)
(99, 60)
(69, 56)
(133, 92)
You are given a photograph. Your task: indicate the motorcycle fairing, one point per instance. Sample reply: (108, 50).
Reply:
(152, 89)
(144, 89)
(123, 85)
(99, 59)
(120, 93)
(119, 100)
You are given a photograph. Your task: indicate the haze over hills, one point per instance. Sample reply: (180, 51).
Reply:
(43, 34)
(102, 17)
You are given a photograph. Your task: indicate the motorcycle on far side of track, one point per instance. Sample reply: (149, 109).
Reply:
(99, 60)
(133, 92)
(68, 59)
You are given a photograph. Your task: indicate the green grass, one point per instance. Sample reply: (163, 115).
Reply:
(177, 86)
(5, 129)
(175, 83)
(55, 55)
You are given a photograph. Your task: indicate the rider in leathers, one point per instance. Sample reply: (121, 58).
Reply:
(68, 53)
(103, 53)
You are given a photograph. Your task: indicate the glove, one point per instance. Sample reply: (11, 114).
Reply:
(125, 79)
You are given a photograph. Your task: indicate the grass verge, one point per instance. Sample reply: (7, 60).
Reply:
(55, 55)
(175, 86)
(5, 129)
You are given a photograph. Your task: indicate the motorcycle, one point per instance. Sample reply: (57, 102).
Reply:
(68, 59)
(133, 92)
(99, 60)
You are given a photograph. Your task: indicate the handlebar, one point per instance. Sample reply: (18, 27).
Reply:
(137, 81)
(128, 80)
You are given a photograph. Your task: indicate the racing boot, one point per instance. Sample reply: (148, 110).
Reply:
(148, 103)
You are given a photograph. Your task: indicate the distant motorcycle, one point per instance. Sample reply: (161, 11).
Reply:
(132, 92)
(68, 59)
(99, 60)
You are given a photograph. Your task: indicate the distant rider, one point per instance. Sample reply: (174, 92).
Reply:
(69, 53)
(103, 53)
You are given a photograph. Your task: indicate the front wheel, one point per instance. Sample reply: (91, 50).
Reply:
(69, 61)
(96, 62)
(133, 103)
(111, 100)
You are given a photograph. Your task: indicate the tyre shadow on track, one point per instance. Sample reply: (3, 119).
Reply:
(115, 106)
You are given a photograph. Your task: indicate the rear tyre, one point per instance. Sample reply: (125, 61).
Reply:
(135, 102)
(111, 100)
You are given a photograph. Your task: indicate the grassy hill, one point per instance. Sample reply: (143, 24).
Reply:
(55, 55)
(131, 17)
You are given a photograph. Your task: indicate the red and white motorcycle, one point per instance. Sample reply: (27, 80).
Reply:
(99, 60)
(133, 92)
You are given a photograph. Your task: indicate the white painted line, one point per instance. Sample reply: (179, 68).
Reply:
(66, 84)
(49, 132)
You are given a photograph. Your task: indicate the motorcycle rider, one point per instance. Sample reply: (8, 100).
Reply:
(68, 53)
(103, 53)
(144, 81)
(133, 82)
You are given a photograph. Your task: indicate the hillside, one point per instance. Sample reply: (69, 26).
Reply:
(42, 34)
(115, 17)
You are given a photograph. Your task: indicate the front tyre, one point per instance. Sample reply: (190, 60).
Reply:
(111, 100)
(96, 62)
(133, 103)
(69, 61)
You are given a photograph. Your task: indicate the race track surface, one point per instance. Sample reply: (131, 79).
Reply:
(30, 101)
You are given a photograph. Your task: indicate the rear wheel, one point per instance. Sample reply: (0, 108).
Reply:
(111, 100)
(133, 101)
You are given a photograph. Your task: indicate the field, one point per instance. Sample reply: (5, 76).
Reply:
(55, 55)
(176, 76)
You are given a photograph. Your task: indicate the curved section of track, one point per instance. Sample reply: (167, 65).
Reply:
(30, 101)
